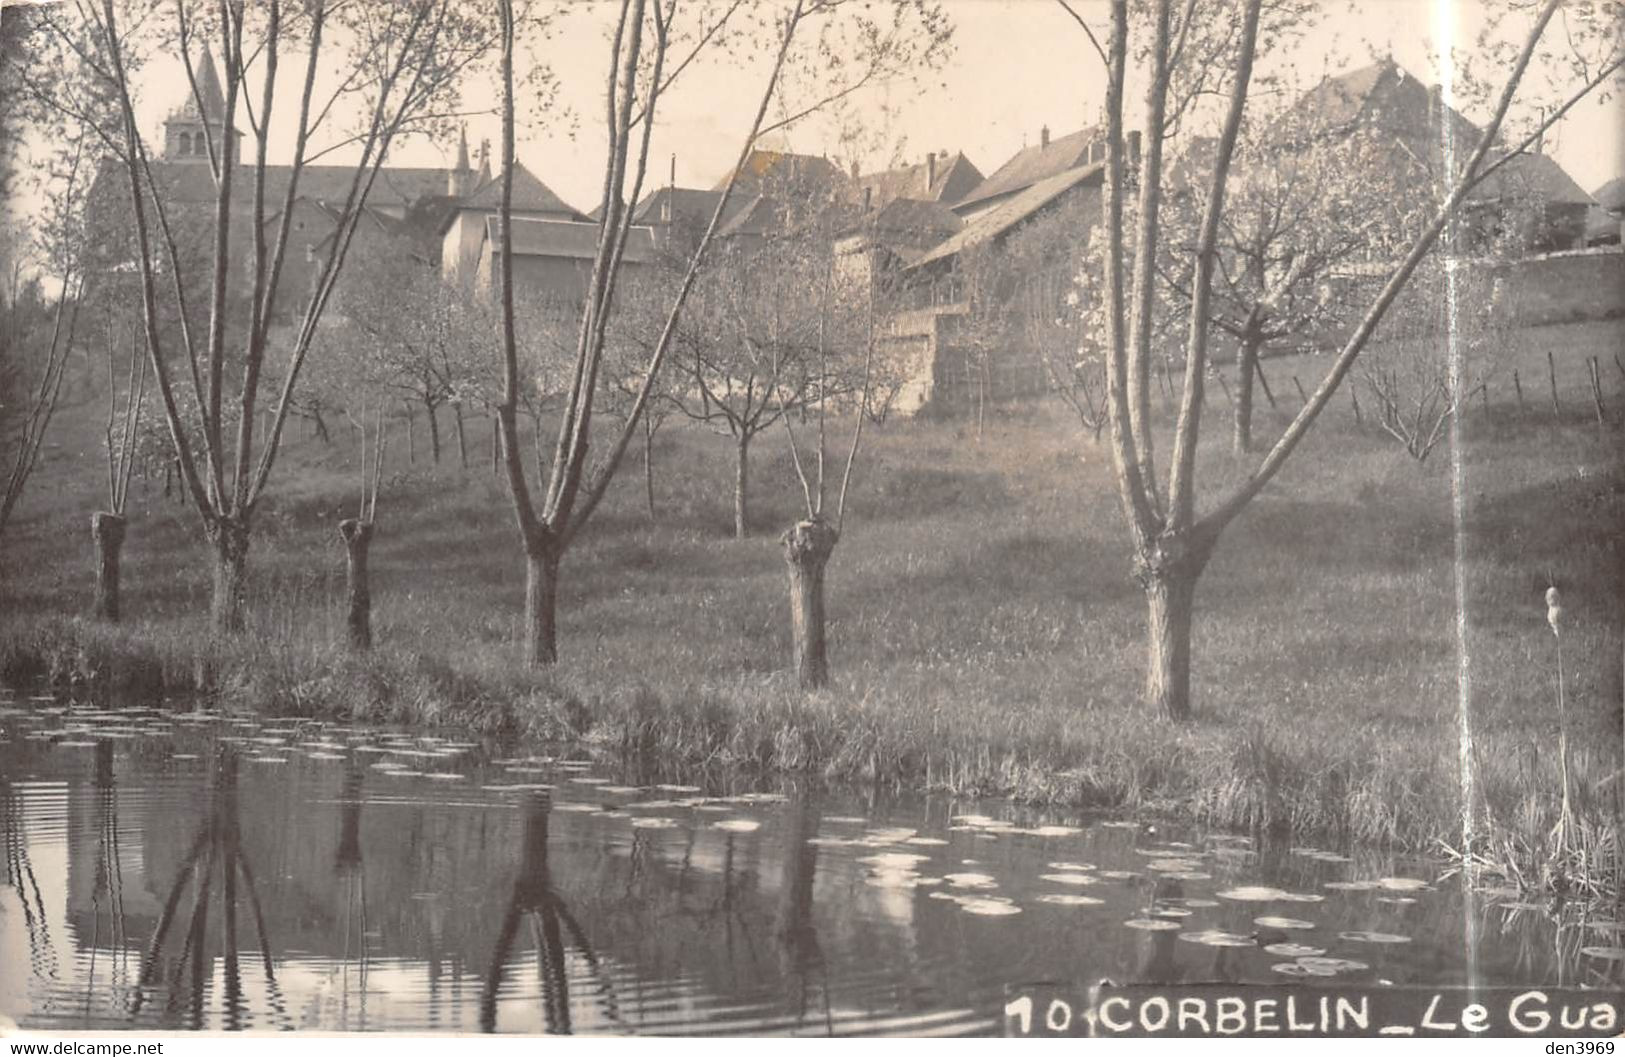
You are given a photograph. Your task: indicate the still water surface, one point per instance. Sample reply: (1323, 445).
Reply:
(205, 870)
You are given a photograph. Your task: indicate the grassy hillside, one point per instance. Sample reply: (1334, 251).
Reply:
(1365, 620)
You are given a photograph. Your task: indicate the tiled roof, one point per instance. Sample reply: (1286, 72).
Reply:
(1531, 174)
(530, 195)
(1032, 165)
(908, 221)
(1611, 195)
(766, 170)
(1006, 215)
(577, 240)
(956, 177)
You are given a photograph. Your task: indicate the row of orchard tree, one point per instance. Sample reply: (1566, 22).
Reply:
(1210, 233)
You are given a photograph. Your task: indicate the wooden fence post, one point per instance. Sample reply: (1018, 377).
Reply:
(1551, 372)
(1517, 387)
(1299, 385)
(1596, 390)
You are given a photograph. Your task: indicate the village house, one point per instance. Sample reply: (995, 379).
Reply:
(943, 179)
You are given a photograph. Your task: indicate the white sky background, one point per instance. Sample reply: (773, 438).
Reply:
(1016, 66)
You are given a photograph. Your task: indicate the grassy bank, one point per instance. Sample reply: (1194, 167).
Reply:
(985, 633)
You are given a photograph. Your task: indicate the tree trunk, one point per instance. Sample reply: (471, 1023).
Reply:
(1247, 366)
(411, 439)
(541, 607)
(649, 465)
(741, 483)
(462, 437)
(434, 433)
(229, 537)
(807, 547)
(107, 529)
(357, 536)
(1169, 579)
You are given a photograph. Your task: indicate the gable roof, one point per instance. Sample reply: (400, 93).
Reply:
(1015, 210)
(765, 170)
(530, 195)
(573, 239)
(956, 177)
(1531, 174)
(190, 182)
(1033, 164)
(1611, 195)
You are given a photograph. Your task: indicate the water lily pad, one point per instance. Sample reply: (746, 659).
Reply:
(1069, 899)
(1071, 866)
(1362, 936)
(267, 759)
(1055, 831)
(672, 788)
(926, 842)
(894, 835)
(1350, 886)
(1189, 875)
(1118, 823)
(76, 745)
(654, 822)
(1606, 954)
(845, 820)
(1153, 924)
(1397, 900)
(1171, 865)
(988, 907)
(1172, 912)
(1265, 894)
(582, 779)
(1072, 877)
(1270, 921)
(1336, 965)
(895, 860)
(1402, 884)
(1294, 950)
(444, 776)
(578, 807)
(738, 825)
(1300, 969)
(1118, 875)
(971, 880)
(892, 879)
(325, 755)
(1217, 938)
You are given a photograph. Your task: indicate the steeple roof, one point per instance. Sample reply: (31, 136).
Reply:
(213, 108)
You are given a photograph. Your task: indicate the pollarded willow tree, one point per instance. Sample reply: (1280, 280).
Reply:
(822, 51)
(364, 76)
(1172, 538)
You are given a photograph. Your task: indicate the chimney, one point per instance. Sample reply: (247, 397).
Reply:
(484, 174)
(931, 170)
(1043, 136)
(671, 192)
(868, 197)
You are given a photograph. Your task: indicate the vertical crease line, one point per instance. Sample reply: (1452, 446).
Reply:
(1444, 12)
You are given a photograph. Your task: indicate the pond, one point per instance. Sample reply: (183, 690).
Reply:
(193, 869)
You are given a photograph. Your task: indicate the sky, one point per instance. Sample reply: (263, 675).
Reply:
(1016, 67)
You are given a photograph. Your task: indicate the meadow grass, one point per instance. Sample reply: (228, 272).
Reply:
(1362, 671)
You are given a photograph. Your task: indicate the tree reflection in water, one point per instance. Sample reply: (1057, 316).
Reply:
(536, 901)
(216, 849)
(347, 864)
(20, 876)
(109, 878)
(800, 958)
